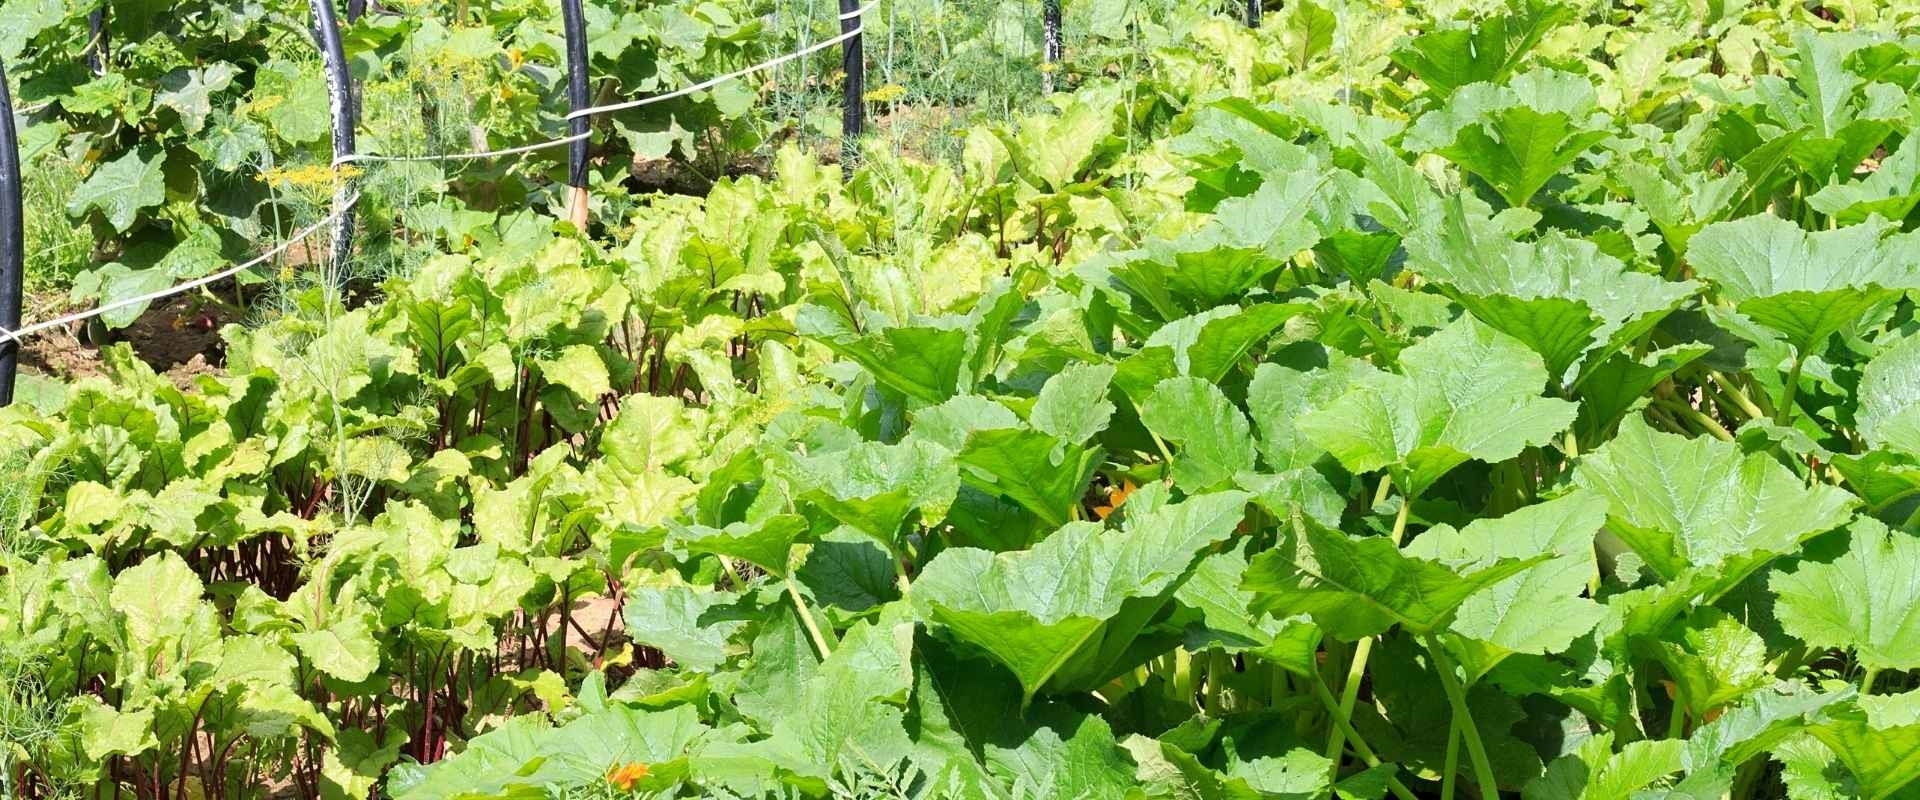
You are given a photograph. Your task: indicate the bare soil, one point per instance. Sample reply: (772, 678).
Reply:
(674, 176)
(599, 617)
(179, 338)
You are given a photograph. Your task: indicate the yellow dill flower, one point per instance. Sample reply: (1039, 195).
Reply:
(887, 93)
(309, 176)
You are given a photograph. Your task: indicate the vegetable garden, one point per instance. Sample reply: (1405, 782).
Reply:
(951, 399)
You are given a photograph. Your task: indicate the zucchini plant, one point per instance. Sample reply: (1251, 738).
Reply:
(1450, 405)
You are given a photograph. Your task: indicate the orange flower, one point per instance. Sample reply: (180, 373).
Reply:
(1115, 498)
(624, 777)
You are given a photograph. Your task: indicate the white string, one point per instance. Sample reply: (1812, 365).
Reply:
(356, 157)
(38, 327)
(698, 87)
(712, 82)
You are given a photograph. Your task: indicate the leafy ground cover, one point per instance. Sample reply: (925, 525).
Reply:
(171, 143)
(1411, 402)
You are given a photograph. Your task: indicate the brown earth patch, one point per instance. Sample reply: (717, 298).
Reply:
(178, 337)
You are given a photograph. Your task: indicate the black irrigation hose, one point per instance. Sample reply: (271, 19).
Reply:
(853, 62)
(12, 242)
(575, 21)
(1052, 43)
(355, 9)
(326, 32)
(1253, 13)
(97, 34)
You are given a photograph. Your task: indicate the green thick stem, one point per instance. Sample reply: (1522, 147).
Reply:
(1657, 413)
(1357, 670)
(1360, 748)
(1866, 681)
(806, 618)
(1693, 415)
(1457, 697)
(733, 574)
(1400, 519)
(1165, 453)
(1218, 665)
(1784, 414)
(1349, 697)
(1185, 679)
(1739, 398)
(900, 573)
